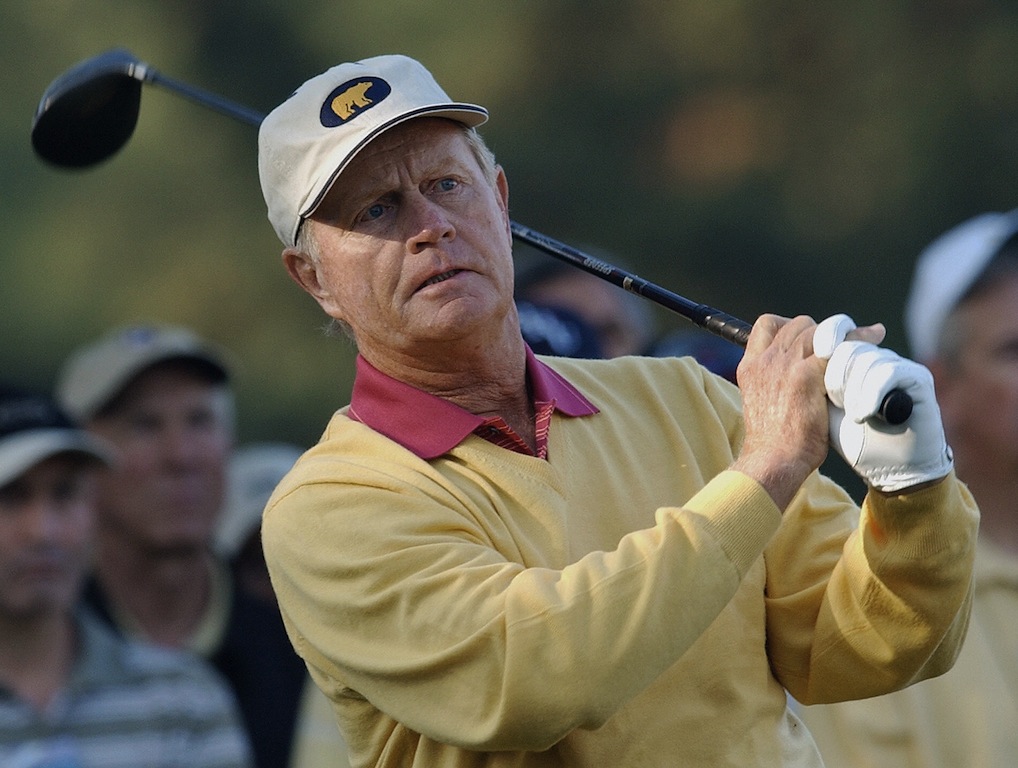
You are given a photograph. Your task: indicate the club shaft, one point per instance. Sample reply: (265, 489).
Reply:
(203, 97)
(895, 408)
(714, 320)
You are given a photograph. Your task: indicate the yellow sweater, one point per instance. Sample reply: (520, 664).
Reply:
(966, 718)
(627, 602)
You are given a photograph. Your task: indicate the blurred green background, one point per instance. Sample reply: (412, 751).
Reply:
(786, 156)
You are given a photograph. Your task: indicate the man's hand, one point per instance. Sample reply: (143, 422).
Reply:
(784, 406)
(859, 375)
(785, 401)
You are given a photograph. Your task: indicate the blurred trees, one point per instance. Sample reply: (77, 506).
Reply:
(784, 156)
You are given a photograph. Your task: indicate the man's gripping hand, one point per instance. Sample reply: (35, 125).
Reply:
(859, 375)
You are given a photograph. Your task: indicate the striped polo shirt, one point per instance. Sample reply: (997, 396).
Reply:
(126, 705)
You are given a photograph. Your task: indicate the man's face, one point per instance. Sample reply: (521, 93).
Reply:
(46, 526)
(414, 243)
(979, 396)
(173, 432)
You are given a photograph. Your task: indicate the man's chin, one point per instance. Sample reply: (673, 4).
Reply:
(460, 318)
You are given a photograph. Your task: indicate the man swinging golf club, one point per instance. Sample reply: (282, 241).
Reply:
(494, 558)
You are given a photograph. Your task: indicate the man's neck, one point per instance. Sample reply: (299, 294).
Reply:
(37, 655)
(162, 595)
(481, 376)
(485, 379)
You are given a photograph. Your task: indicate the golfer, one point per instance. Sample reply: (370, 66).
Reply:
(498, 559)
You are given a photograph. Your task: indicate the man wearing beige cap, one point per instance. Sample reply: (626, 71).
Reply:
(72, 693)
(962, 320)
(160, 395)
(503, 559)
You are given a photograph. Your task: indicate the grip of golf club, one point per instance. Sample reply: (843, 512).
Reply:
(895, 408)
(726, 326)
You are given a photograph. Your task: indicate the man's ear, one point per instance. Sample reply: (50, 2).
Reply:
(502, 192)
(302, 268)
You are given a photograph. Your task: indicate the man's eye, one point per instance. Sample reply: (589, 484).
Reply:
(446, 185)
(373, 212)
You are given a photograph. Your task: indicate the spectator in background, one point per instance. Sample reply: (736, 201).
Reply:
(962, 321)
(622, 320)
(251, 475)
(571, 313)
(73, 694)
(551, 330)
(712, 352)
(161, 397)
(253, 472)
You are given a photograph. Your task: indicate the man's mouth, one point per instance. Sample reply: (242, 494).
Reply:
(439, 278)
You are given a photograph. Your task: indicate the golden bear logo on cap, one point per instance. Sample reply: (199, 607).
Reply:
(351, 99)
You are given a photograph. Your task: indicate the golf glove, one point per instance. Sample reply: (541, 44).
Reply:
(859, 375)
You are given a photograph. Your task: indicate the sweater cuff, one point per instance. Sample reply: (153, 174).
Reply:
(912, 516)
(739, 514)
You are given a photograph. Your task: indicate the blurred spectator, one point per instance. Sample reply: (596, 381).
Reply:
(553, 330)
(962, 322)
(711, 351)
(568, 312)
(252, 474)
(73, 694)
(621, 319)
(161, 396)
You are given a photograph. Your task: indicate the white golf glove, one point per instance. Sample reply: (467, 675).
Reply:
(889, 457)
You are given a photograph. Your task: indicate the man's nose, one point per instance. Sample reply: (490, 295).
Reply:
(428, 223)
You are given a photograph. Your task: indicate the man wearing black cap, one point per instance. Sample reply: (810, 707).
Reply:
(72, 693)
(160, 395)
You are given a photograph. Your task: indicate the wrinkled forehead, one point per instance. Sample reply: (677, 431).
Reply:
(415, 150)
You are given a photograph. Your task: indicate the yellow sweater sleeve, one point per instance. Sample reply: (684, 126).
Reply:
(880, 609)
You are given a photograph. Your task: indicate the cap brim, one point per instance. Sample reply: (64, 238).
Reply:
(22, 451)
(470, 115)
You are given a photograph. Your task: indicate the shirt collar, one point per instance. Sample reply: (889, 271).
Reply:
(428, 425)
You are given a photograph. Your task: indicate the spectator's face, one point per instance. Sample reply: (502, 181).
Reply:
(46, 525)
(979, 396)
(173, 432)
(414, 245)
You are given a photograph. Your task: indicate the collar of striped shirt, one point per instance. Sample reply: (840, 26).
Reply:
(429, 426)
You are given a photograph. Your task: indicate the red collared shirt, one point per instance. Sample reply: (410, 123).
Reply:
(429, 426)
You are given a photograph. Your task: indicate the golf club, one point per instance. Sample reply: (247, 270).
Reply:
(90, 111)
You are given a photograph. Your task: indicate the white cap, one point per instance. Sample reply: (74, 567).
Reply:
(945, 271)
(96, 374)
(252, 475)
(306, 142)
